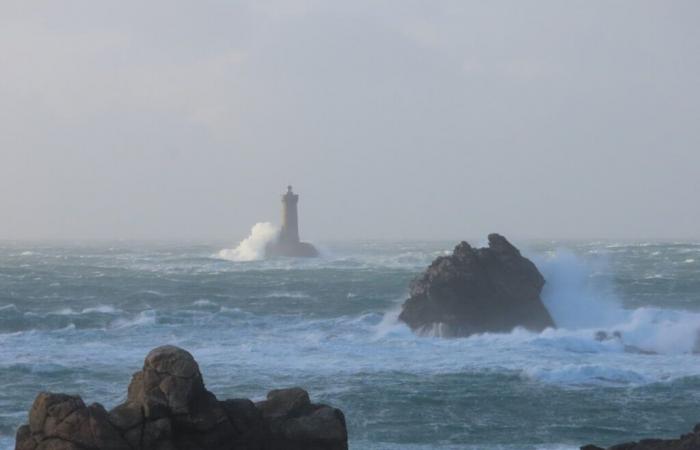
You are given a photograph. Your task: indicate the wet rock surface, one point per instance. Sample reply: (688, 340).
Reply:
(169, 408)
(279, 248)
(690, 441)
(477, 290)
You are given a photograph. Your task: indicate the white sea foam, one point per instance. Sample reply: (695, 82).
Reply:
(64, 312)
(143, 318)
(252, 248)
(154, 293)
(103, 309)
(576, 305)
(390, 324)
(282, 294)
(655, 344)
(586, 374)
(204, 302)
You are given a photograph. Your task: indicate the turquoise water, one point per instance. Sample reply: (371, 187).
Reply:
(79, 318)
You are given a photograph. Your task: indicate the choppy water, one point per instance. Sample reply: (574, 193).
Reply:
(80, 318)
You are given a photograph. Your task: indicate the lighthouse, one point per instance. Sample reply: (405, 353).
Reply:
(288, 242)
(290, 218)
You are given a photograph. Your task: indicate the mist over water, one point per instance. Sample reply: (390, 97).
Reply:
(80, 319)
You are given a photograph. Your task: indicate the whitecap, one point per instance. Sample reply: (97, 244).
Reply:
(282, 294)
(147, 317)
(64, 312)
(204, 302)
(586, 374)
(104, 309)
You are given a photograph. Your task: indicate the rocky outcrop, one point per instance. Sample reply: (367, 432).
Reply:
(690, 441)
(168, 408)
(493, 289)
(281, 248)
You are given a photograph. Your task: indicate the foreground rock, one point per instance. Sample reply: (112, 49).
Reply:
(493, 289)
(168, 408)
(690, 441)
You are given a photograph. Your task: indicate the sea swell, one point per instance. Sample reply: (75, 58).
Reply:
(331, 325)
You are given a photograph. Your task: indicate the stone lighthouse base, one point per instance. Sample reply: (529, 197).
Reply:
(293, 249)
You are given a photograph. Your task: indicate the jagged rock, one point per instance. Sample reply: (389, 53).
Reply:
(690, 441)
(168, 408)
(294, 423)
(291, 249)
(493, 289)
(59, 421)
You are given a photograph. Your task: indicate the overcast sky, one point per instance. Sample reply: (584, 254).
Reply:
(392, 119)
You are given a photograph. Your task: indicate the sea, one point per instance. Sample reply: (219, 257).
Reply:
(79, 317)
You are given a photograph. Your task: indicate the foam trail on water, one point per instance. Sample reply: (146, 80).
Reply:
(252, 248)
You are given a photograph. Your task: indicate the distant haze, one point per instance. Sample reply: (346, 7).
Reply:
(391, 119)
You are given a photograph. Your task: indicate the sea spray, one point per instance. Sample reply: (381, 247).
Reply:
(576, 303)
(252, 248)
(571, 298)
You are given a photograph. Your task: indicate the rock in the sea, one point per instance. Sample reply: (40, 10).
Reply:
(168, 408)
(477, 290)
(290, 249)
(690, 441)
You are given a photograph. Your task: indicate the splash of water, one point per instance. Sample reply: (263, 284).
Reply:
(575, 304)
(252, 248)
(570, 297)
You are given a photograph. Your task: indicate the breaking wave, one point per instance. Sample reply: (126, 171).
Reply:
(252, 248)
(577, 304)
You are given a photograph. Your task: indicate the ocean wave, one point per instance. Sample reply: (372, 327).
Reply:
(285, 294)
(102, 309)
(68, 311)
(587, 374)
(144, 318)
(204, 302)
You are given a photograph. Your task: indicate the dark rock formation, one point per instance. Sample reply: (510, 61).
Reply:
(290, 249)
(168, 408)
(690, 441)
(492, 289)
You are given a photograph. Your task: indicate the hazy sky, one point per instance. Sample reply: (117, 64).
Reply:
(405, 119)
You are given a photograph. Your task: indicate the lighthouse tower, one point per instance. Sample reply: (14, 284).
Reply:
(289, 234)
(288, 243)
